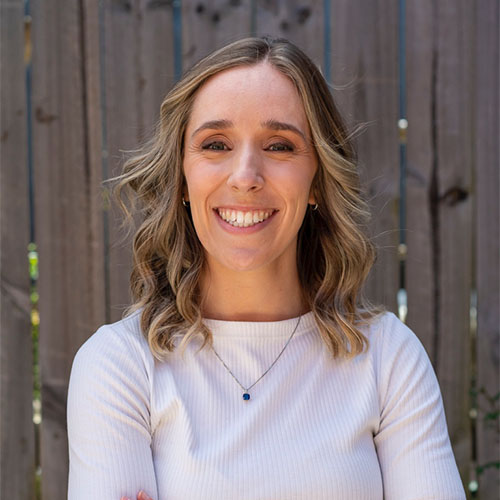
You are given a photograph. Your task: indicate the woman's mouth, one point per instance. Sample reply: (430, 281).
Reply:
(239, 218)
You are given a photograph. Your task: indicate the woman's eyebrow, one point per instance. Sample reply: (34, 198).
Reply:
(269, 124)
(277, 125)
(213, 125)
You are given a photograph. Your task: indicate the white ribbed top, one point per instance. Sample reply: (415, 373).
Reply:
(315, 428)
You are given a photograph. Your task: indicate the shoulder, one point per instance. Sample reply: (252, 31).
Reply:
(395, 349)
(115, 347)
(109, 392)
(122, 335)
(388, 334)
(400, 362)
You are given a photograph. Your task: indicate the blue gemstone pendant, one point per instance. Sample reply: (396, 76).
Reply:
(246, 396)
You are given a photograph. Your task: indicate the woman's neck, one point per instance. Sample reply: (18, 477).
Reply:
(252, 296)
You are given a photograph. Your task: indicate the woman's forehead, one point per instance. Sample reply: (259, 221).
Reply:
(260, 89)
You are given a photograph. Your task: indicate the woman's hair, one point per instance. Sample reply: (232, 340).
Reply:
(333, 256)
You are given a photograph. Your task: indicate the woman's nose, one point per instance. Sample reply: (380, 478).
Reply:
(246, 172)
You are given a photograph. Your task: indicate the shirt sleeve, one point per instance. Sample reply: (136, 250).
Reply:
(413, 447)
(108, 417)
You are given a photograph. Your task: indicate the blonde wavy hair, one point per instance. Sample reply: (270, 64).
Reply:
(334, 255)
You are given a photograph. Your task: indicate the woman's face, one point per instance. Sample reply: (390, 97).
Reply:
(249, 166)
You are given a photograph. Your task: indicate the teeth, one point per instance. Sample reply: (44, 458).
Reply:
(248, 219)
(244, 219)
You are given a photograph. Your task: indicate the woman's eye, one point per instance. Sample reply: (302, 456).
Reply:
(215, 146)
(280, 146)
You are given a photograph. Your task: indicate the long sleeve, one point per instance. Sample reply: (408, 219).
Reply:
(109, 419)
(412, 441)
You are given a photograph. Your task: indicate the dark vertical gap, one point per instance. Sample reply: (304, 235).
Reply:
(83, 79)
(327, 64)
(138, 66)
(104, 158)
(81, 23)
(434, 191)
(402, 126)
(32, 251)
(29, 126)
(473, 485)
(177, 32)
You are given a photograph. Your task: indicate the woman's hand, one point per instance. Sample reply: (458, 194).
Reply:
(140, 496)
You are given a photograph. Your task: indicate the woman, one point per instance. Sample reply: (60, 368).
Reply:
(251, 368)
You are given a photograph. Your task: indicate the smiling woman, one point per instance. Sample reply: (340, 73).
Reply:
(250, 366)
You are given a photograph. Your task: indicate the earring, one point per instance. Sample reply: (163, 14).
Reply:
(314, 207)
(184, 202)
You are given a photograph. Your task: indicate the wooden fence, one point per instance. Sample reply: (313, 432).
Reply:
(99, 72)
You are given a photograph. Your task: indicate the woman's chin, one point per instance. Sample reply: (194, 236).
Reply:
(240, 261)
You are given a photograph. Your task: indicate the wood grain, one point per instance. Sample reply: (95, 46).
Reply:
(68, 209)
(487, 243)
(301, 22)
(17, 448)
(441, 200)
(421, 277)
(453, 224)
(208, 25)
(123, 129)
(364, 37)
(139, 70)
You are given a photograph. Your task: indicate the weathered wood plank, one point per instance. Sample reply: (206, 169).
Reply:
(68, 209)
(453, 225)
(364, 38)
(17, 450)
(441, 200)
(487, 244)
(421, 278)
(121, 61)
(139, 70)
(210, 24)
(157, 60)
(301, 22)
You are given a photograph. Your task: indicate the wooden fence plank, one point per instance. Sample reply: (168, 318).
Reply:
(208, 25)
(421, 278)
(441, 200)
(17, 450)
(123, 131)
(455, 204)
(487, 245)
(68, 209)
(157, 60)
(139, 70)
(364, 38)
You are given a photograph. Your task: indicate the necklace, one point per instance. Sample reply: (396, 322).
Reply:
(246, 393)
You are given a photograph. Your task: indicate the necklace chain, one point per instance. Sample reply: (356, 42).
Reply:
(246, 395)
